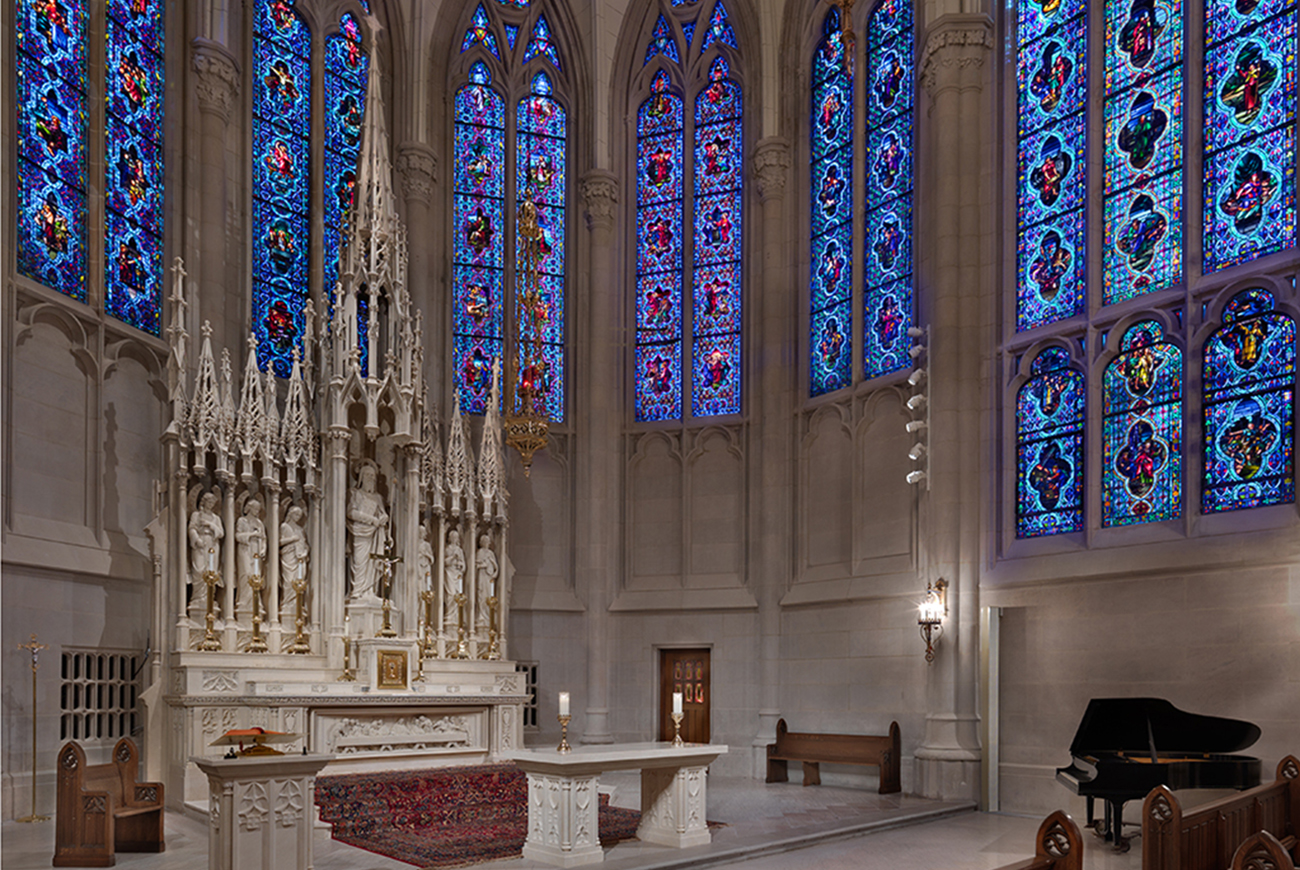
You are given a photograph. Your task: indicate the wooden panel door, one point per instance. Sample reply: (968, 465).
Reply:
(685, 671)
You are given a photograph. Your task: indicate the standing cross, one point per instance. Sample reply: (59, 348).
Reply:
(35, 650)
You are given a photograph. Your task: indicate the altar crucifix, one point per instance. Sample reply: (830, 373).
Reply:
(387, 560)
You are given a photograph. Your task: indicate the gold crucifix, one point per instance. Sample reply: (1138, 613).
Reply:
(35, 649)
(389, 559)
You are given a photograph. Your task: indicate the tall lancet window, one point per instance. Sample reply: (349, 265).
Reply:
(509, 194)
(1049, 449)
(283, 168)
(57, 209)
(690, 210)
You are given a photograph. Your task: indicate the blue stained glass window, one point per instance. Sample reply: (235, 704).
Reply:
(512, 33)
(540, 44)
(346, 67)
(133, 163)
(518, 4)
(541, 173)
(1249, 383)
(1049, 447)
(719, 29)
(478, 215)
(716, 305)
(1143, 221)
(281, 180)
(51, 178)
(831, 287)
(662, 42)
(480, 33)
(888, 258)
(688, 32)
(1250, 114)
(1052, 89)
(1142, 429)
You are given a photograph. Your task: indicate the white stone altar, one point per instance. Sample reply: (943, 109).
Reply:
(563, 826)
(260, 811)
(346, 602)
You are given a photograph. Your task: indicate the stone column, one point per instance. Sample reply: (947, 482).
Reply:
(773, 364)
(416, 168)
(599, 431)
(331, 584)
(216, 87)
(957, 284)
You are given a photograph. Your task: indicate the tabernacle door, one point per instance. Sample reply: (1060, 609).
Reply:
(685, 671)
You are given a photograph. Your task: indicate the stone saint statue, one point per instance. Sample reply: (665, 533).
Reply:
(368, 528)
(250, 551)
(425, 561)
(294, 551)
(485, 575)
(453, 581)
(206, 532)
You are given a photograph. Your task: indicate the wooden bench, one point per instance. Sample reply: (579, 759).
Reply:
(1059, 846)
(1262, 850)
(1207, 837)
(816, 749)
(102, 809)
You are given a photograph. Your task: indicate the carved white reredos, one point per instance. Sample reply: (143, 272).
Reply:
(216, 80)
(418, 166)
(956, 46)
(600, 193)
(771, 163)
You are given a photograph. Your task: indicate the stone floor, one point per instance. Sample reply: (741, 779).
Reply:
(767, 827)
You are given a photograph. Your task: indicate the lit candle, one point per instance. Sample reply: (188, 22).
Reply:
(677, 703)
(564, 703)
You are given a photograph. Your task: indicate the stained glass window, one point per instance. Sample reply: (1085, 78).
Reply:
(662, 42)
(478, 216)
(51, 179)
(719, 29)
(717, 286)
(281, 180)
(1249, 382)
(831, 295)
(540, 44)
(887, 260)
(540, 180)
(133, 162)
(1250, 114)
(659, 196)
(480, 33)
(1051, 184)
(1142, 429)
(1049, 447)
(512, 33)
(1143, 219)
(346, 65)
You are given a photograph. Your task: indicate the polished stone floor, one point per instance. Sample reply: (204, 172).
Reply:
(766, 827)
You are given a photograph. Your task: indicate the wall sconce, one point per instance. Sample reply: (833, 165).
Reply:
(930, 615)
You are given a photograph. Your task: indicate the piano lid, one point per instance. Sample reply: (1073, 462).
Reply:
(1132, 725)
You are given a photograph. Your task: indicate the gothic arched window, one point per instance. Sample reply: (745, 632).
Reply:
(54, 179)
(1049, 447)
(510, 140)
(689, 210)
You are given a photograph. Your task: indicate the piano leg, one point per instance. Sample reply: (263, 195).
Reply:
(1115, 825)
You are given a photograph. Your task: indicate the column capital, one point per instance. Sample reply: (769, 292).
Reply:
(600, 193)
(771, 163)
(956, 47)
(216, 80)
(418, 166)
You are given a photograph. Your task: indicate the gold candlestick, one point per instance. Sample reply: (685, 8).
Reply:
(427, 644)
(494, 636)
(462, 648)
(210, 642)
(300, 643)
(35, 649)
(348, 675)
(257, 644)
(387, 629)
(564, 747)
(677, 730)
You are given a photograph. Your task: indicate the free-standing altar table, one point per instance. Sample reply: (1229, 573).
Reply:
(563, 803)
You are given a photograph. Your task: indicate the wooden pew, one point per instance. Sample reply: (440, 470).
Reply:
(102, 809)
(1059, 846)
(1207, 837)
(1262, 850)
(815, 749)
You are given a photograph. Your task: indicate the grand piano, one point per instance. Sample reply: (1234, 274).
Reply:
(1125, 747)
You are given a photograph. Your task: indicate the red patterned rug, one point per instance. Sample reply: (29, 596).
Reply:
(444, 817)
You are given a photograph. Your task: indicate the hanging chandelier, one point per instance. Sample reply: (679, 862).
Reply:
(527, 427)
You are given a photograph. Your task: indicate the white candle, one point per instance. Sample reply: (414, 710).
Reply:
(677, 703)
(257, 565)
(212, 559)
(564, 703)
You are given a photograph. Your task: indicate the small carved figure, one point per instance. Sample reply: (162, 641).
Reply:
(425, 561)
(453, 580)
(205, 531)
(367, 526)
(250, 551)
(485, 576)
(294, 552)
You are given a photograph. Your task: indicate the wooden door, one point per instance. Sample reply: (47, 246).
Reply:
(685, 671)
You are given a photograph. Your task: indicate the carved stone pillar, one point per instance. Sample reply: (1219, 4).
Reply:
(771, 406)
(416, 171)
(958, 304)
(216, 87)
(600, 427)
(329, 585)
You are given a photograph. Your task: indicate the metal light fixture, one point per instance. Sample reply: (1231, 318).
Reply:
(919, 403)
(931, 614)
(526, 428)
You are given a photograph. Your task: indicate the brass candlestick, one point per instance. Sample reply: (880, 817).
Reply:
(564, 746)
(462, 648)
(257, 644)
(494, 636)
(349, 675)
(386, 630)
(419, 674)
(35, 649)
(300, 643)
(210, 642)
(427, 644)
(677, 730)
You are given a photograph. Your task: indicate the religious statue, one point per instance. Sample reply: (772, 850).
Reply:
(453, 580)
(368, 528)
(206, 531)
(425, 560)
(294, 551)
(485, 576)
(250, 551)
